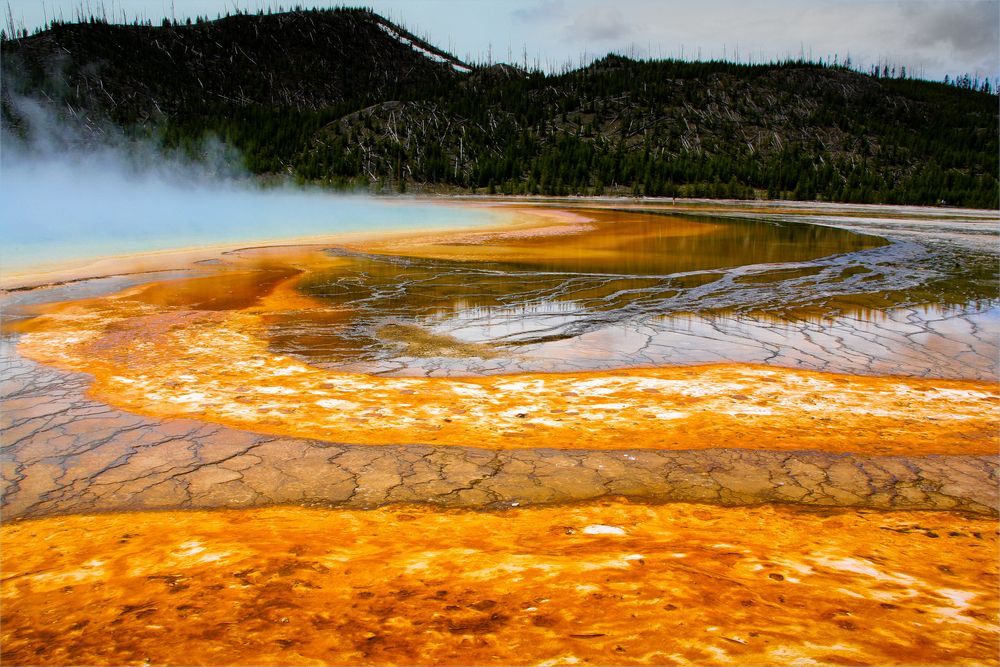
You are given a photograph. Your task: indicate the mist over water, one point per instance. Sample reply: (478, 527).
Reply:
(52, 211)
(63, 198)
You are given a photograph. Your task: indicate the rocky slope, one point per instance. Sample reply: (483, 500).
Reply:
(347, 98)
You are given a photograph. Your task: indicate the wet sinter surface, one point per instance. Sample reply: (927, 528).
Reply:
(68, 454)
(203, 348)
(630, 289)
(489, 381)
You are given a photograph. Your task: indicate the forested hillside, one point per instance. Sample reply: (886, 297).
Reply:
(345, 98)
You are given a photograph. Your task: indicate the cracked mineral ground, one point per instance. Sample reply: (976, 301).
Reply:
(603, 432)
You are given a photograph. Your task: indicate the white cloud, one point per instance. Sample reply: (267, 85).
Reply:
(600, 24)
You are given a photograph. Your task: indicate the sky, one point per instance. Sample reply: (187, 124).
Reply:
(931, 38)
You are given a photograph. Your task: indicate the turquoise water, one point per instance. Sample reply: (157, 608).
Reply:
(56, 213)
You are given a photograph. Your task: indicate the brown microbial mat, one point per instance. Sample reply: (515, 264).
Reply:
(605, 584)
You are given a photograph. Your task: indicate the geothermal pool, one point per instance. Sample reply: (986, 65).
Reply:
(99, 209)
(618, 387)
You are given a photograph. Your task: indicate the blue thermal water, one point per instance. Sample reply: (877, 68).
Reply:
(53, 213)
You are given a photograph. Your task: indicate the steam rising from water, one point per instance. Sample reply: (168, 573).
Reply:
(64, 198)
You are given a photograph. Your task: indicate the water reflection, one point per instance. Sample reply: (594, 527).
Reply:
(633, 243)
(617, 293)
